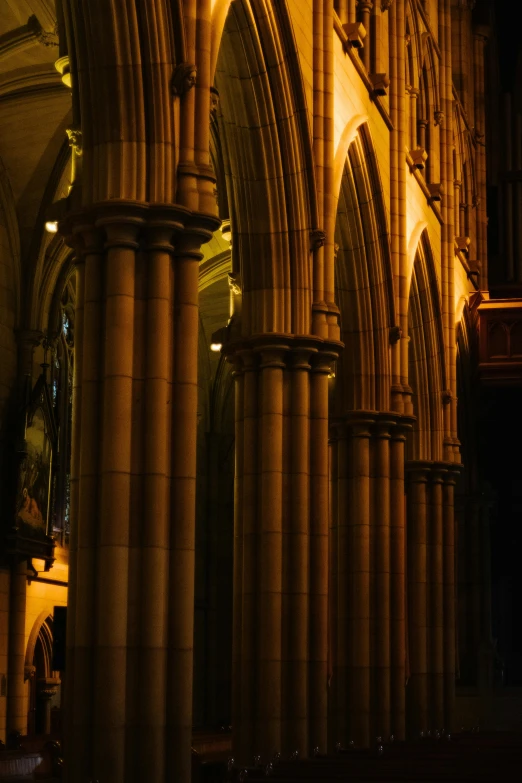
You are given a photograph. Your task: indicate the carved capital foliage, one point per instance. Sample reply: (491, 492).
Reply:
(234, 283)
(75, 140)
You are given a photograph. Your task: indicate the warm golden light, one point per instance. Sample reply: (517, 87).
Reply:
(216, 346)
(51, 226)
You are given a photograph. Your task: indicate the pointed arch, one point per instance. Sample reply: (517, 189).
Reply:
(467, 362)
(364, 283)
(427, 370)
(267, 156)
(43, 629)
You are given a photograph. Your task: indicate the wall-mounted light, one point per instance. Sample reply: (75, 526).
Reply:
(51, 226)
(216, 346)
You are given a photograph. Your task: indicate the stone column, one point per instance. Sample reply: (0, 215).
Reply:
(368, 554)
(269, 554)
(129, 668)
(16, 713)
(431, 594)
(296, 543)
(351, 545)
(182, 445)
(398, 578)
(417, 521)
(281, 529)
(449, 593)
(381, 566)
(435, 538)
(334, 682)
(237, 610)
(341, 599)
(154, 315)
(319, 514)
(359, 567)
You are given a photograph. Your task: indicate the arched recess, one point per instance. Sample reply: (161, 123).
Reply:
(43, 681)
(267, 159)
(42, 627)
(427, 371)
(364, 283)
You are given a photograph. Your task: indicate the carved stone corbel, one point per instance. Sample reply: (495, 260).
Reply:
(395, 334)
(184, 78)
(317, 239)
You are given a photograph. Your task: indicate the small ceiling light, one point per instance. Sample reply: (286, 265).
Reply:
(216, 346)
(51, 226)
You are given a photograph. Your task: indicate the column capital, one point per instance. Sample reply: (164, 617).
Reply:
(127, 222)
(386, 423)
(418, 470)
(361, 423)
(272, 356)
(318, 352)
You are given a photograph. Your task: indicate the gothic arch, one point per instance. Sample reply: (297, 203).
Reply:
(427, 370)
(364, 283)
(268, 165)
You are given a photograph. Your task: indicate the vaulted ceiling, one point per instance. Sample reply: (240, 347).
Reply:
(35, 110)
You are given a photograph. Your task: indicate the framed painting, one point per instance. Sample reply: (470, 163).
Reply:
(33, 502)
(29, 533)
